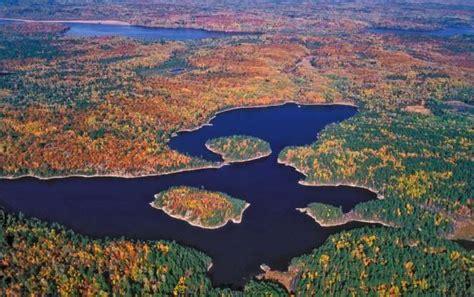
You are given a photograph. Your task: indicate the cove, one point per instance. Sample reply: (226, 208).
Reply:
(272, 230)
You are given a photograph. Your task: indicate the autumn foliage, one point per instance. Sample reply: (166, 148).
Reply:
(419, 164)
(40, 259)
(199, 207)
(239, 148)
(381, 262)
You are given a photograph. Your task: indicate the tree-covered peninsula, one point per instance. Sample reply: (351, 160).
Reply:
(324, 214)
(421, 165)
(328, 216)
(201, 208)
(109, 106)
(239, 148)
(42, 259)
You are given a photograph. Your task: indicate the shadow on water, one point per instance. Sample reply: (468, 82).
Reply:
(272, 231)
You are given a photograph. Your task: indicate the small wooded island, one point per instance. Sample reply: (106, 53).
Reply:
(239, 148)
(200, 208)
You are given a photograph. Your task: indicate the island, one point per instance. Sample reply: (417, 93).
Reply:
(239, 148)
(75, 105)
(199, 207)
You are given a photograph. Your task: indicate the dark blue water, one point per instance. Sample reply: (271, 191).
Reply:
(140, 32)
(446, 32)
(156, 33)
(143, 33)
(272, 231)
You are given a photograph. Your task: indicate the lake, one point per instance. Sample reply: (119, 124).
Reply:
(446, 32)
(156, 33)
(144, 33)
(272, 231)
(140, 32)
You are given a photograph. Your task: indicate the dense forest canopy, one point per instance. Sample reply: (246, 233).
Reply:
(385, 262)
(413, 161)
(48, 259)
(199, 207)
(109, 106)
(239, 148)
(89, 98)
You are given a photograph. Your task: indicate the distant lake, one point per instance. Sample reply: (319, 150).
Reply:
(140, 32)
(144, 33)
(272, 231)
(5, 22)
(156, 33)
(437, 33)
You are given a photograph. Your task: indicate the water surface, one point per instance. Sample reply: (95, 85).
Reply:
(446, 32)
(272, 231)
(143, 33)
(139, 32)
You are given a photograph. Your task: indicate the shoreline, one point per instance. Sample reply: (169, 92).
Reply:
(230, 161)
(127, 23)
(126, 176)
(314, 184)
(235, 221)
(345, 219)
(207, 123)
(352, 185)
(93, 22)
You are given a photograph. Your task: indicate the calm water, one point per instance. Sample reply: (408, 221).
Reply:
(437, 33)
(140, 32)
(272, 231)
(153, 33)
(143, 33)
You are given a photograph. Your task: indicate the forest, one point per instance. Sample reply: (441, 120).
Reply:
(108, 106)
(323, 213)
(199, 207)
(296, 17)
(420, 165)
(385, 262)
(47, 259)
(239, 148)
